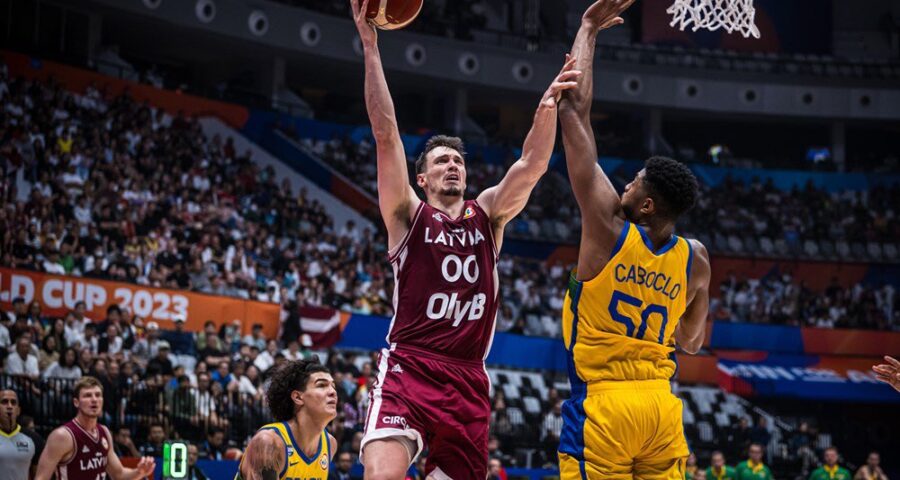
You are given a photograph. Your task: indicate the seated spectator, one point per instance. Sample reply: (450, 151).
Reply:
(194, 472)
(206, 404)
(49, 352)
(222, 375)
(872, 469)
(161, 364)
(266, 359)
(830, 469)
(343, 462)
(292, 352)
(495, 470)
(180, 341)
(22, 362)
(214, 447)
(66, 367)
(123, 444)
(210, 348)
(256, 337)
(156, 437)
(147, 347)
(718, 469)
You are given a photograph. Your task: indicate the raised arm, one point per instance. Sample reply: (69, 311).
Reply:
(396, 198)
(595, 194)
(505, 200)
(689, 333)
(59, 446)
(264, 458)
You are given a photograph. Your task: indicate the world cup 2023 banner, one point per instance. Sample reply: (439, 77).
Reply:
(58, 295)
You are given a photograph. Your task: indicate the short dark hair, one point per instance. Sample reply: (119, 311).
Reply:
(672, 186)
(436, 141)
(291, 376)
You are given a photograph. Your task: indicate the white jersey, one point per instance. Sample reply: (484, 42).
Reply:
(17, 452)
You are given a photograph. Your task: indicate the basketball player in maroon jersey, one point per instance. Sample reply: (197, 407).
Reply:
(432, 388)
(81, 448)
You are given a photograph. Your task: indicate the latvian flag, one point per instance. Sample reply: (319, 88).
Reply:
(323, 325)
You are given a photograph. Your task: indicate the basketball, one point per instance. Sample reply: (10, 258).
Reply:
(392, 14)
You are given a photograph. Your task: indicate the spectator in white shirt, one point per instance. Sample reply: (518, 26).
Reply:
(67, 366)
(257, 337)
(4, 337)
(22, 361)
(293, 351)
(266, 359)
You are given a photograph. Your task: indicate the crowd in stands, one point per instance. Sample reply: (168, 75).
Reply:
(730, 208)
(121, 191)
(781, 300)
(808, 213)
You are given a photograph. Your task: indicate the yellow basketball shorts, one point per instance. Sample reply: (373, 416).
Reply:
(623, 430)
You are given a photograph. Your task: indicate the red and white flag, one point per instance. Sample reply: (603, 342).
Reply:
(323, 325)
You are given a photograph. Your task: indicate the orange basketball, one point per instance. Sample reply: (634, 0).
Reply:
(392, 14)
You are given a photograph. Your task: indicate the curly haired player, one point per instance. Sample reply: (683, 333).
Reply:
(303, 400)
(639, 291)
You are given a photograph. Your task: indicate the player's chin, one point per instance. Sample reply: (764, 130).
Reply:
(452, 191)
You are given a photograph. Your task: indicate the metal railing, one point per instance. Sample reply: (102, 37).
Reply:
(185, 412)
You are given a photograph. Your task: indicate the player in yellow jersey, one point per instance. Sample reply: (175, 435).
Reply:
(303, 400)
(639, 290)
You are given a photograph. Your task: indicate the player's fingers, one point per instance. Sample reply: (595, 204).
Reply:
(893, 361)
(568, 75)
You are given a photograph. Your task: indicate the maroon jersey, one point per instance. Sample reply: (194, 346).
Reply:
(445, 297)
(90, 457)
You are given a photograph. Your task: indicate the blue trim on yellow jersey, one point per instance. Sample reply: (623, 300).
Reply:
(665, 248)
(572, 438)
(690, 258)
(287, 458)
(328, 444)
(300, 450)
(621, 240)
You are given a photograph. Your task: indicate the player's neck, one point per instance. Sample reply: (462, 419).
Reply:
(659, 232)
(7, 428)
(451, 205)
(89, 424)
(307, 432)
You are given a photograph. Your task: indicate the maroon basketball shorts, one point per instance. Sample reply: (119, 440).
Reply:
(435, 402)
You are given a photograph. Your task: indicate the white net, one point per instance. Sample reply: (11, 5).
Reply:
(732, 15)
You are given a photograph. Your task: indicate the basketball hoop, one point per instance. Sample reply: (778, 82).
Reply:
(732, 15)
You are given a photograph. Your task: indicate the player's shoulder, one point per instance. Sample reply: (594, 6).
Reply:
(270, 431)
(697, 247)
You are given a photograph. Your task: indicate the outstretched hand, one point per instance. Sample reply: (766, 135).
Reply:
(145, 467)
(367, 32)
(604, 14)
(889, 372)
(566, 80)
